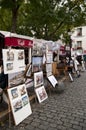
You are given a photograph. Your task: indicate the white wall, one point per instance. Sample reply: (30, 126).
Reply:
(82, 38)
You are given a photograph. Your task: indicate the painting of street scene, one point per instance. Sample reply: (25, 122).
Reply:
(16, 79)
(25, 100)
(17, 105)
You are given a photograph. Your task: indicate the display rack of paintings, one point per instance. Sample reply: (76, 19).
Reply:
(20, 103)
(14, 60)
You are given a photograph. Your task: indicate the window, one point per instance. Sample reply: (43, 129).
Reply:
(79, 31)
(79, 44)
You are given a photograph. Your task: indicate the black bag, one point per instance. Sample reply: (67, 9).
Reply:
(3, 80)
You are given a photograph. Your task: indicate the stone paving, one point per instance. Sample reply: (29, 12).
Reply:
(65, 111)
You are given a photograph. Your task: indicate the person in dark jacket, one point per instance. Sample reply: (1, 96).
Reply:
(3, 85)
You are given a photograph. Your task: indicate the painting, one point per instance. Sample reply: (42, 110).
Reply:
(9, 66)
(37, 62)
(20, 55)
(38, 78)
(10, 55)
(29, 83)
(16, 79)
(14, 93)
(52, 80)
(17, 105)
(41, 94)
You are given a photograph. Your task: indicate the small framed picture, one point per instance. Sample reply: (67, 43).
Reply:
(10, 55)
(38, 79)
(41, 94)
(37, 62)
(53, 80)
(9, 66)
(21, 55)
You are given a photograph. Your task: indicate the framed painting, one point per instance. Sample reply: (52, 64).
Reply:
(53, 80)
(38, 78)
(41, 94)
(37, 62)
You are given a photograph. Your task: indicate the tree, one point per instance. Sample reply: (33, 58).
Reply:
(13, 7)
(49, 19)
(46, 19)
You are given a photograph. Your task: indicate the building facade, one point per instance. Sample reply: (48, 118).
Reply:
(79, 39)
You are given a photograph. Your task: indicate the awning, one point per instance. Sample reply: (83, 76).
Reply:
(16, 40)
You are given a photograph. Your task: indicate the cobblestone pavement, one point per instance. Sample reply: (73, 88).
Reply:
(65, 111)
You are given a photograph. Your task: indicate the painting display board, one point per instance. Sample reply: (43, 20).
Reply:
(41, 94)
(15, 79)
(20, 104)
(53, 80)
(14, 60)
(38, 78)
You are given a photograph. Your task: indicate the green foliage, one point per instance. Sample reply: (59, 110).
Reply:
(46, 19)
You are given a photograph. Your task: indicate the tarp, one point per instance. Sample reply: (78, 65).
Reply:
(13, 39)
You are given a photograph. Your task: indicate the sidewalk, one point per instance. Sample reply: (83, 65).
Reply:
(65, 111)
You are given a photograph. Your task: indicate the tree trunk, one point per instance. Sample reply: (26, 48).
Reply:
(14, 19)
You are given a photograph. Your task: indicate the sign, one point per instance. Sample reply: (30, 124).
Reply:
(14, 41)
